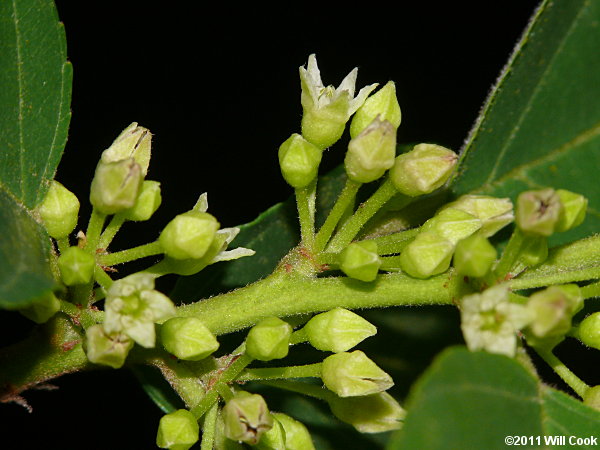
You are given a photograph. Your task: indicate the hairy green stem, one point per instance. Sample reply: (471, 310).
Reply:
(510, 254)
(305, 202)
(274, 373)
(93, 230)
(362, 215)
(396, 242)
(342, 203)
(284, 295)
(209, 428)
(131, 254)
(572, 380)
(102, 278)
(63, 244)
(591, 290)
(111, 230)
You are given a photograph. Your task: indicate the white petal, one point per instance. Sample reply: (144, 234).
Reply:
(142, 333)
(236, 253)
(348, 84)
(361, 97)
(230, 234)
(202, 203)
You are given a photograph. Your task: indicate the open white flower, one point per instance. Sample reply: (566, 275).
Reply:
(133, 306)
(326, 108)
(490, 322)
(229, 235)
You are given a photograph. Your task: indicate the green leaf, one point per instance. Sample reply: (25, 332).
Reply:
(271, 235)
(475, 400)
(158, 389)
(24, 269)
(541, 124)
(35, 97)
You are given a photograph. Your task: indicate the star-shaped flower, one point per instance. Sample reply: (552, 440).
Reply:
(326, 108)
(490, 322)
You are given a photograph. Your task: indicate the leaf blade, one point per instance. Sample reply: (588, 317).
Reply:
(35, 97)
(24, 269)
(540, 125)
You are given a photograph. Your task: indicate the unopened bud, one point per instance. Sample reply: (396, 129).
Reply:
(374, 413)
(494, 213)
(423, 169)
(189, 235)
(297, 436)
(147, 202)
(383, 104)
(354, 374)
(109, 350)
(76, 266)
(42, 308)
(188, 338)
(429, 254)
(274, 439)
(372, 152)
(338, 330)
(269, 339)
(538, 212)
(573, 211)
(246, 418)
(116, 185)
(360, 260)
(452, 224)
(178, 430)
(59, 210)
(133, 142)
(299, 161)
(474, 256)
(589, 331)
(552, 310)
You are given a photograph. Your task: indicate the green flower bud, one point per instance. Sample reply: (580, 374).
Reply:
(327, 109)
(297, 436)
(147, 202)
(191, 266)
(354, 374)
(274, 439)
(132, 306)
(134, 142)
(552, 310)
(76, 266)
(59, 210)
(188, 338)
(429, 254)
(534, 251)
(494, 213)
(246, 418)
(338, 330)
(374, 413)
(589, 331)
(591, 397)
(452, 224)
(372, 152)
(573, 211)
(360, 260)
(269, 339)
(474, 256)
(178, 430)
(109, 350)
(189, 235)
(42, 309)
(423, 169)
(299, 161)
(116, 185)
(538, 212)
(383, 104)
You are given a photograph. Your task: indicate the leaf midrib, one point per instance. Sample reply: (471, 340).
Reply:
(532, 97)
(20, 83)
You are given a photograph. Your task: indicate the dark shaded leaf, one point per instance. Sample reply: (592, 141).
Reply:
(35, 97)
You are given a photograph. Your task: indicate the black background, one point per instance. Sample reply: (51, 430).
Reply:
(219, 88)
